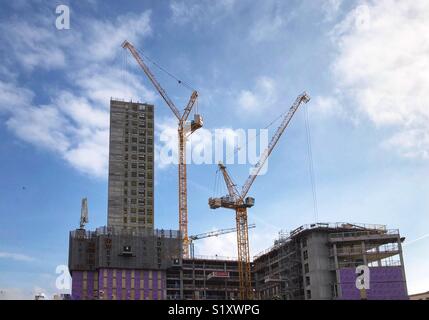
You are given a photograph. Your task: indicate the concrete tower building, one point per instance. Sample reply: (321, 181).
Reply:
(131, 172)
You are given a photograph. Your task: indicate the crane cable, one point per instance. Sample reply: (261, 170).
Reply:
(311, 165)
(266, 127)
(183, 83)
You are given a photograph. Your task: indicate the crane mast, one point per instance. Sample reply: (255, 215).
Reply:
(240, 202)
(183, 133)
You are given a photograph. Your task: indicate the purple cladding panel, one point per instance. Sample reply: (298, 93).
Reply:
(137, 285)
(386, 283)
(90, 285)
(128, 284)
(77, 286)
(118, 284)
(146, 285)
(154, 285)
(109, 284)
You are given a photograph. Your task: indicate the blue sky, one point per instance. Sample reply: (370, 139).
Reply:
(364, 63)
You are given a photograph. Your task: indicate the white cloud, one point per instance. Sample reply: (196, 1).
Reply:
(16, 256)
(15, 294)
(32, 42)
(106, 37)
(383, 65)
(331, 8)
(196, 12)
(75, 121)
(259, 98)
(226, 245)
(222, 246)
(268, 27)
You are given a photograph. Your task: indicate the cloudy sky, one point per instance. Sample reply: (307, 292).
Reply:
(364, 63)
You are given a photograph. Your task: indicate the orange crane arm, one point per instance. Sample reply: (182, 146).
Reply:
(302, 98)
(231, 186)
(127, 45)
(189, 106)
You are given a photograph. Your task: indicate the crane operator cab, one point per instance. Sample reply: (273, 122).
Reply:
(250, 202)
(197, 122)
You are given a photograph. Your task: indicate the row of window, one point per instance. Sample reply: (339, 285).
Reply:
(149, 220)
(135, 149)
(134, 140)
(133, 174)
(140, 132)
(140, 157)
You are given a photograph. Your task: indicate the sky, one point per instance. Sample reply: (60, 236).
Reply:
(364, 63)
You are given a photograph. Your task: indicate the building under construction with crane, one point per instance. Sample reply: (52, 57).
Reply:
(130, 259)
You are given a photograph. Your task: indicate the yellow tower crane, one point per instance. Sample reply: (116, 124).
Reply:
(239, 202)
(183, 132)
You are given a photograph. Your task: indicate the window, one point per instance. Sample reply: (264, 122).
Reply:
(308, 294)
(307, 280)
(306, 268)
(304, 242)
(305, 254)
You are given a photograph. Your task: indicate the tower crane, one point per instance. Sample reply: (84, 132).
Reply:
(239, 202)
(84, 213)
(184, 131)
(214, 233)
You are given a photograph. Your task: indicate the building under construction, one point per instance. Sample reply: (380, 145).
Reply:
(204, 278)
(113, 264)
(319, 261)
(129, 259)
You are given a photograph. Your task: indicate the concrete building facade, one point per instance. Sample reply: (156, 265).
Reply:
(319, 262)
(131, 166)
(115, 265)
(204, 278)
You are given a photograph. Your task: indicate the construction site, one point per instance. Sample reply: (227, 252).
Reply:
(129, 259)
